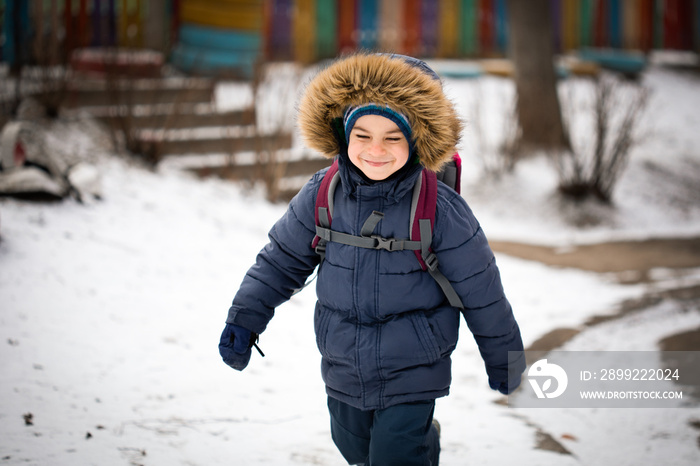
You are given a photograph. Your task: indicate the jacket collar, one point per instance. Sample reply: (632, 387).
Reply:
(393, 189)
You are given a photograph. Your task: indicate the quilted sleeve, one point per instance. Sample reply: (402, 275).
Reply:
(282, 266)
(468, 262)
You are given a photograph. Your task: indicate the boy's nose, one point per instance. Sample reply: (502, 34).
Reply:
(377, 148)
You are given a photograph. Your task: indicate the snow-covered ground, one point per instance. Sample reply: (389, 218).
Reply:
(110, 314)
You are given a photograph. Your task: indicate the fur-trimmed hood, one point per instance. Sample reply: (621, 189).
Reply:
(383, 79)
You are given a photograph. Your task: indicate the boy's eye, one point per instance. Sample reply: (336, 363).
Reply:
(393, 139)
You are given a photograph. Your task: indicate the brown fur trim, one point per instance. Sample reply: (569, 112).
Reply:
(364, 78)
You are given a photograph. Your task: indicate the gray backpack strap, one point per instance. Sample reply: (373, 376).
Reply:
(331, 192)
(325, 214)
(414, 201)
(366, 239)
(371, 223)
(324, 220)
(426, 238)
(449, 175)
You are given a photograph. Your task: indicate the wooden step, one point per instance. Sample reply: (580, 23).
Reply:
(302, 169)
(92, 93)
(219, 145)
(93, 98)
(237, 172)
(174, 117)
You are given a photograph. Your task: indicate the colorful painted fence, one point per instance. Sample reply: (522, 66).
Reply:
(627, 24)
(309, 30)
(215, 36)
(219, 37)
(30, 27)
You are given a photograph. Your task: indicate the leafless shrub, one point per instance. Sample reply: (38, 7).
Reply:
(273, 100)
(121, 90)
(509, 148)
(52, 87)
(136, 94)
(257, 133)
(8, 100)
(602, 136)
(50, 74)
(497, 155)
(39, 69)
(45, 86)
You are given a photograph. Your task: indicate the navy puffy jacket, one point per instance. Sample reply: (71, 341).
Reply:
(383, 326)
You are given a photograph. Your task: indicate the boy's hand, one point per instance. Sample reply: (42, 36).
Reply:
(504, 387)
(235, 345)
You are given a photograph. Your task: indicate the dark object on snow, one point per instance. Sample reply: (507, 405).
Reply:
(31, 167)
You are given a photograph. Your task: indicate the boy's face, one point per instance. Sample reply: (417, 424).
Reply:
(377, 147)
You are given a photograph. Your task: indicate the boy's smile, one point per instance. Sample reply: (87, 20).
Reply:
(377, 147)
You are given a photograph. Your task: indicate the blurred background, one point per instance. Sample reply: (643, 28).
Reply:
(230, 36)
(158, 71)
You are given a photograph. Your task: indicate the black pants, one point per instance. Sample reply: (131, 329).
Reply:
(401, 435)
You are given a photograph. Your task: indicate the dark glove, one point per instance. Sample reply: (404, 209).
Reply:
(235, 345)
(505, 387)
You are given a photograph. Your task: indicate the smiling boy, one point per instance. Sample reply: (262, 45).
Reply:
(384, 328)
(376, 146)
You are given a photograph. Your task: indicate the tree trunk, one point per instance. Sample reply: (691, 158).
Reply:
(531, 49)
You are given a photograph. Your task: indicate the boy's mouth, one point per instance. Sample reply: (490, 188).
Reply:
(376, 163)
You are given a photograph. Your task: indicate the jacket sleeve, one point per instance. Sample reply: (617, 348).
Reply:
(282, 266)
(467, 261)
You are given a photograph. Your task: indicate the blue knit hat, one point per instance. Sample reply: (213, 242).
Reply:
(352, 114)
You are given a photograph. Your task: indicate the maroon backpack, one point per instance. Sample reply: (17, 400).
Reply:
(422, 221)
